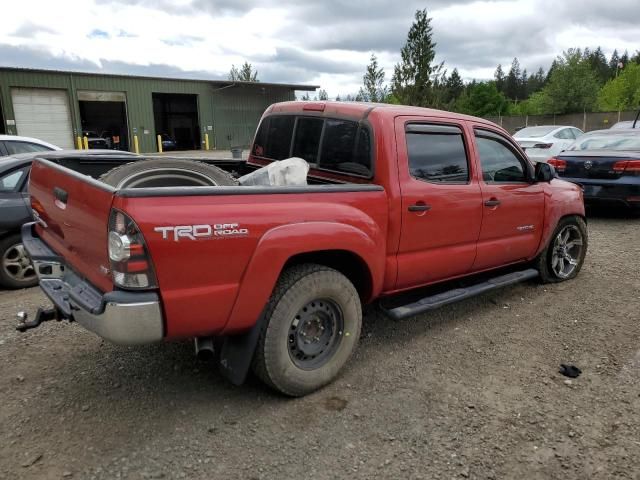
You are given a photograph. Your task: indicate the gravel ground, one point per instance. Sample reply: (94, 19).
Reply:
(469, 391)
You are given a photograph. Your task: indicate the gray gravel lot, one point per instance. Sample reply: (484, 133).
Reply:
(469, 391)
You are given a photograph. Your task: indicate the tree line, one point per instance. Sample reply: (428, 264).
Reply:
(578, 80)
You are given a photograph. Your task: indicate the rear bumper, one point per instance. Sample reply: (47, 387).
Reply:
(125, 318)
(610, 192)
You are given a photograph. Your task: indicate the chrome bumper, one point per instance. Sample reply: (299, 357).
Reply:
(125, 318)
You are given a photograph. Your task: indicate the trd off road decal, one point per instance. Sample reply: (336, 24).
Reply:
(194, 232)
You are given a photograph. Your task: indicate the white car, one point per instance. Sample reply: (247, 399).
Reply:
(546, 141)
(13, 144)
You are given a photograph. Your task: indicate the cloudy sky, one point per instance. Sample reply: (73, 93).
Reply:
(323, 42)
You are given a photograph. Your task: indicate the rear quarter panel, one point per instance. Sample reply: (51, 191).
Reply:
(200, 279)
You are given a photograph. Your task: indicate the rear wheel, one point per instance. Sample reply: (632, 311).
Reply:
(314, 320)
(563, 257)
(16, 269)
(166, 173)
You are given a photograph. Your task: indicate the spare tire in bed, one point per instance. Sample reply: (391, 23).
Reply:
(163, 172)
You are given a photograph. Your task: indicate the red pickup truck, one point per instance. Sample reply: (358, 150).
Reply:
(399, 199)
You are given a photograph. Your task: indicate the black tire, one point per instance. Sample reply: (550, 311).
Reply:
(166, 172)
(14, 263)
(545, 263)
(276, 360)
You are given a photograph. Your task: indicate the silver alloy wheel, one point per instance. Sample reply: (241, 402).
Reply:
(17, 265)
(567, 251)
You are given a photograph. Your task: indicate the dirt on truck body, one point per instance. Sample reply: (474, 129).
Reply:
(399, 199)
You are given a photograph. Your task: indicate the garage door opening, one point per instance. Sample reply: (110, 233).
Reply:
(103, 116)
(176, 119)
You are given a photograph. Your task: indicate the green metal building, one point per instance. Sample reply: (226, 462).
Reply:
(59, 107)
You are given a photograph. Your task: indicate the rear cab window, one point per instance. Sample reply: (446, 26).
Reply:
(327, 144)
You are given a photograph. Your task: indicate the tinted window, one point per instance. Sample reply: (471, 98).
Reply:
(278, 139)
(344, 149)
(10, 181)
(14, 147)
(499, 163)
(438, 156)
(307, 142)
(344, 146)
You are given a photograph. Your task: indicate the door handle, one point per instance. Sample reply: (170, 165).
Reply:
(419, 207)
(494, 202)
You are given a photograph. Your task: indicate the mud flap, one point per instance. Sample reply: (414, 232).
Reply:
(236, 353)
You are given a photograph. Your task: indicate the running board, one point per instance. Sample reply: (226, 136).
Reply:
(436, 301)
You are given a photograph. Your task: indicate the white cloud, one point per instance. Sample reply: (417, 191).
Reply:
(323, 42)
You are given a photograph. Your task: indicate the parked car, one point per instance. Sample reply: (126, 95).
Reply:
(606, 163)
(96, 142)
(399, 198)
(16, 270)
(168, 143)
(13, 144)
(543, 142)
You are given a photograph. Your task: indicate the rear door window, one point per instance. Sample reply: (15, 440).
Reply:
(437, 153)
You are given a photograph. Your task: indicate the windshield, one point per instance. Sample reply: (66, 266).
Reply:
(534, 132)
(607, 142)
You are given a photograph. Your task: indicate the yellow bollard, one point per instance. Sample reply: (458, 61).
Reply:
(136, 147)
(160, 143)
(86, 143)
(79, 142)
(206, 141)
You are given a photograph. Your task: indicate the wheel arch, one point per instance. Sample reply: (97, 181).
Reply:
(345, 248)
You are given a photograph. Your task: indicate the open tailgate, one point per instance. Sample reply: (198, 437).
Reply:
(74, 215)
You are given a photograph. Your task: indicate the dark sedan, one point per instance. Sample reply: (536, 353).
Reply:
(607, 165)
(16, 270)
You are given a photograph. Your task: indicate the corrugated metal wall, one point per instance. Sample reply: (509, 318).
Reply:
(233, 113)
(237, 111)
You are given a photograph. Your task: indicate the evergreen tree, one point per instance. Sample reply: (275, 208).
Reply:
(373, 79)
(243, 74)
(522, 91)
(512, 84)
(636, 57)
(500, 78)
(599, 65)
(412, 82)
(613, 64)
(453, 87)
(338, 99)
(322, 95)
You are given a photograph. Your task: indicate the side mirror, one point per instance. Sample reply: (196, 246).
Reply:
(544, 172)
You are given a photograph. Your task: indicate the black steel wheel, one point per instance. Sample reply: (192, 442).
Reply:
(313, 326)
(315, 333)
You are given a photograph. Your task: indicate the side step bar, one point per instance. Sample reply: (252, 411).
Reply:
(436, 301)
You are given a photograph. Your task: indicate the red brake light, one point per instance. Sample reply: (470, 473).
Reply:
(559, 165)
(130, 264)
(627, 166)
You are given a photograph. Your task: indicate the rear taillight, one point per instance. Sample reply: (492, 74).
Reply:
(543, 146)
(131, 266)
(627, 166)
(559, 165)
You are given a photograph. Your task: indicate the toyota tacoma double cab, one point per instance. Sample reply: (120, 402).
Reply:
(410, 208)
